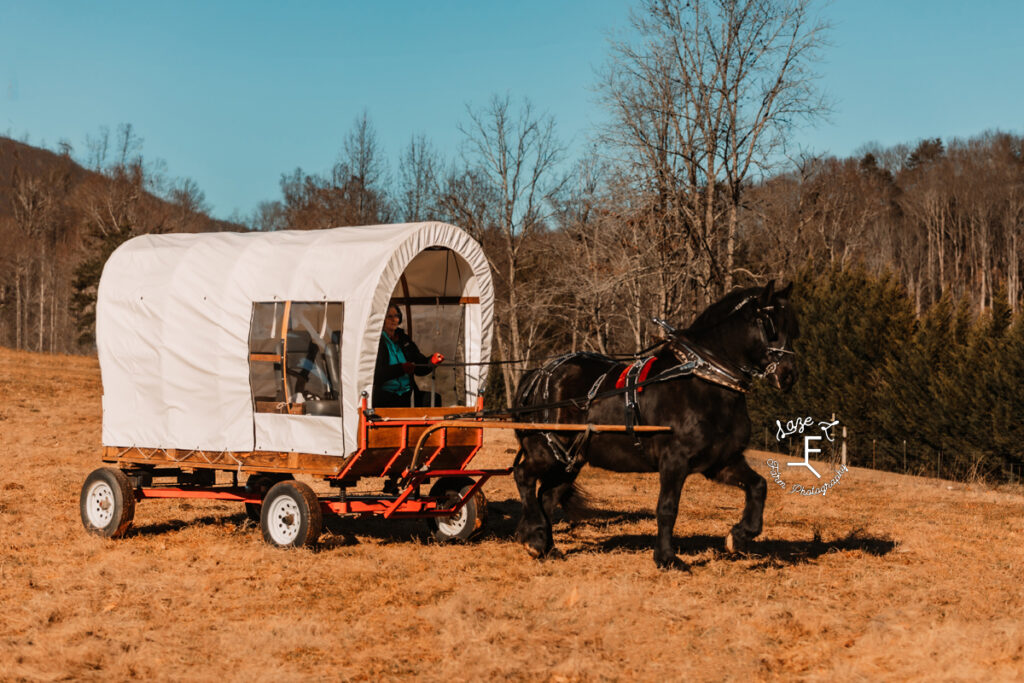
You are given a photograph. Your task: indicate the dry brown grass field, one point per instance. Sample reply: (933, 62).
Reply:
(887, 577)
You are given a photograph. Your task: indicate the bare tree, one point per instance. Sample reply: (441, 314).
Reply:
(114, 208)
(268, 216)
(418, 169)
(702, 101)
(515, 151)
(188, 205)
(362, 168)
(36, 200)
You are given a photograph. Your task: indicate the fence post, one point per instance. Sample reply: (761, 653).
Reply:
(843, 449)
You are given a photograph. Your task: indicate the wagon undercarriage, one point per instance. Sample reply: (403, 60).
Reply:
(408, 448)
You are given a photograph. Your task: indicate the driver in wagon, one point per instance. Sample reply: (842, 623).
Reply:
(398, 358)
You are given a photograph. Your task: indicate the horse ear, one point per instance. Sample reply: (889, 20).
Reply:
(785, 291)
(766, 295)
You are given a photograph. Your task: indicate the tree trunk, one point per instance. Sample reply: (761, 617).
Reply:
(42, 308)
(17, 308)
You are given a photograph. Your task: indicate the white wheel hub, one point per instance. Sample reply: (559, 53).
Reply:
(452, 526)
(99, 506)
(284, 520)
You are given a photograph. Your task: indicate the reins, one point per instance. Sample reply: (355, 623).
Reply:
(517, 361)
(695, 364)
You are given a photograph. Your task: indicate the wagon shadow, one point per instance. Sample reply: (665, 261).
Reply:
(766, 553)
(236, 520)
(502, 517)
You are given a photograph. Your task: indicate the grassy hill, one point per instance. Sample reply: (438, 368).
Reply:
(887, 577)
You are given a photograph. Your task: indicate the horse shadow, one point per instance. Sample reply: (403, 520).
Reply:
(767, 553)
(503, 517)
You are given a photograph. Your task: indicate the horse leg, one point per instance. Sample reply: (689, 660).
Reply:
(554, 486)
(672, 475)
(531, 527)
(739, 473)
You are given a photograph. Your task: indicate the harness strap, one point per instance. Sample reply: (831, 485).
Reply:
(708, 369)
(631, 380)
(690, 363)
(547, 371)
(572, 456)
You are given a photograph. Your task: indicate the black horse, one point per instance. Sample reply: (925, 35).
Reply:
(695, 384)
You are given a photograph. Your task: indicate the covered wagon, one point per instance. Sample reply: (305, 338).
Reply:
(234, 362)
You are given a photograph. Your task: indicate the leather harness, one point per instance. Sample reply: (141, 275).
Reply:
(693, 360)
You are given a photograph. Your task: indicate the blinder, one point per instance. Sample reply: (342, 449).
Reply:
(774, 344)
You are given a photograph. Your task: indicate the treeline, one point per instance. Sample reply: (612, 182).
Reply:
(937, 394)
(61, 217)
(947, 218)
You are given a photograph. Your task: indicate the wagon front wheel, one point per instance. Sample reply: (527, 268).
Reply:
(462, 525)
(107, 503)
(291, 516)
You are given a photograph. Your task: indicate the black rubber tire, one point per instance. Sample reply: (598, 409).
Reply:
(471, 517)
(260, 484)
(291, 516)
(107, 503)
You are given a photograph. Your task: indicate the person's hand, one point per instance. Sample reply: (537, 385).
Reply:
(437, 359)
(408, 367)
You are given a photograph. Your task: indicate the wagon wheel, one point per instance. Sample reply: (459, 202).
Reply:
(260, 484)
(470, 518)
(291, 516)
(107, 503)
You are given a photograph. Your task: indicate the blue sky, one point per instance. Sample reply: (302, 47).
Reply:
(233, 94)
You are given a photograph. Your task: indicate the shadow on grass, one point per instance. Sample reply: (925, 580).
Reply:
(238, 519)
(503, 516)
(767, 553)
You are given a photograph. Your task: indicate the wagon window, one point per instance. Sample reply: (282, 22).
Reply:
(294, 357)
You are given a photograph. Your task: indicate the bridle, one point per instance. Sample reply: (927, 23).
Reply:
(770, 337)
(775, 345)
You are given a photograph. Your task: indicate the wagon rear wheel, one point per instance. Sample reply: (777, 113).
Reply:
(107, 503)
(470, 518)
(291, 516)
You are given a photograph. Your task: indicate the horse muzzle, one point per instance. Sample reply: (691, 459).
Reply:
(783, 375)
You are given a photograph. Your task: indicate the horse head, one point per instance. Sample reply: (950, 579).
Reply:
(773, 327)
(753, 329)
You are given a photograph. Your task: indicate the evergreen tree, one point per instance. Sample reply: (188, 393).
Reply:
(851, 325)
(113, 217)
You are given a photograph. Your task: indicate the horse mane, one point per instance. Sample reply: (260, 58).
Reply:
(721, 309)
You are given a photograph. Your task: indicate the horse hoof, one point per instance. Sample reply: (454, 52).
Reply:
(534, 552)
(555, 554)
(672, 564)
(730, 543)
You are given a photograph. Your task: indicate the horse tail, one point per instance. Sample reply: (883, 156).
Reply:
(576, 502)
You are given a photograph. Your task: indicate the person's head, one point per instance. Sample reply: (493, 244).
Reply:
(392, 319)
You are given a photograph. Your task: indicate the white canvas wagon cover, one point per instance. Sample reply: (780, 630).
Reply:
(174, 312)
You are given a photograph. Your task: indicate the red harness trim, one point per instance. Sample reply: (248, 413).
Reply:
(620, 383)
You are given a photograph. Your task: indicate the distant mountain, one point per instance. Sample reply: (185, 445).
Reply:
(36, 161)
